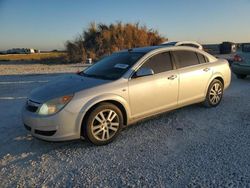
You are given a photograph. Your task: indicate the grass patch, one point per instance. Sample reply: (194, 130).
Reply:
(53, 56)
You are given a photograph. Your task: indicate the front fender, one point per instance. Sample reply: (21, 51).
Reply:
(98, 99)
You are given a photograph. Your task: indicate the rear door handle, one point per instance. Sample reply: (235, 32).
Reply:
(172, 77)
(206, 69)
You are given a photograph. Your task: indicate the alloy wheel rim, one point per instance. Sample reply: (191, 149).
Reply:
(105, 125)
(215, 94)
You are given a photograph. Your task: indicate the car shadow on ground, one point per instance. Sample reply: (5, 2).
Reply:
(24, 147)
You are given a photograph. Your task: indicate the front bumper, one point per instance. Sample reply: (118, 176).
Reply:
(61, 126)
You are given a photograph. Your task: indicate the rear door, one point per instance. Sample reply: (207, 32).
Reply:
(150, 94)
(194, 73)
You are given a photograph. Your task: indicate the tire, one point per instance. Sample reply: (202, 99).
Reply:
(241, 76)
(214, 94)
(103, 124)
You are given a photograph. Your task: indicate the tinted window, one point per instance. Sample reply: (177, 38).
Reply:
(159, 63)
(246, 48)
(185, 58)
(202, 58)
(114, 66)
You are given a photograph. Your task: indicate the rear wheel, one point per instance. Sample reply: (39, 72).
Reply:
(103, 124)
(214, 94)
(241, 76)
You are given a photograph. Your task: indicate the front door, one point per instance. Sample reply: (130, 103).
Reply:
(153, 93)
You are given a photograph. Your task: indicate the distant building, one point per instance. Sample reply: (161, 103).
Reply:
(37, 51)
(228, 48)
(22, 51)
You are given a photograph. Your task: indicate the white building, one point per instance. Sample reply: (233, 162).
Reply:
(22, 51)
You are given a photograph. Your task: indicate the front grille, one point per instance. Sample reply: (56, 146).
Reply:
(32, 106)
(45, 133)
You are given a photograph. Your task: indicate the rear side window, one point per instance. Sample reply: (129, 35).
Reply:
(202, 58)
(159, 63)
(185, 58)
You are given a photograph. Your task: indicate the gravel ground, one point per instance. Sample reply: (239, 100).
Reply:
(192, 147)
(29, 67)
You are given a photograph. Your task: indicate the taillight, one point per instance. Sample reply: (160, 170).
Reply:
(237, 58)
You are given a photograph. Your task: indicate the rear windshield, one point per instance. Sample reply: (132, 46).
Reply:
(246, 47)
(114, 66)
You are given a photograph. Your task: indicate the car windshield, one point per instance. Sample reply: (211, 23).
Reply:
(114, 66)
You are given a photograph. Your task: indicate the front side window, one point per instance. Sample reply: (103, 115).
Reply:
(185, 58)
(159, 63)
(114, 66)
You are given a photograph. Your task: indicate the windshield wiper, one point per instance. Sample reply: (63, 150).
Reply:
(95, 76)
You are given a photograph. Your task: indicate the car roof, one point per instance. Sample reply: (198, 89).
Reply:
(151, 48)
(145, 49)
(173, 43)
(163, 45)
(182, 43)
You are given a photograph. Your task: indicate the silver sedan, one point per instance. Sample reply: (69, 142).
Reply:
(123, 88)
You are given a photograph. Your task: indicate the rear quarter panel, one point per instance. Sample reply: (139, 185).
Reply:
(221, 69)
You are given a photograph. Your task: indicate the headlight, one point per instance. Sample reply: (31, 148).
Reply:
(54, 105)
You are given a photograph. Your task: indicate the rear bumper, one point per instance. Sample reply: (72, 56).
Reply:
(240, 68)
(61, 126)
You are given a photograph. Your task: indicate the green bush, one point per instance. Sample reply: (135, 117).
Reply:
(101, 39)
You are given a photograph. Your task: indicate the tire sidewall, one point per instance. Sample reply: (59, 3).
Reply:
(87, 125)
(208, 92)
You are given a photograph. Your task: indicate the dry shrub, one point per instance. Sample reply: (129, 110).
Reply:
(101, 39)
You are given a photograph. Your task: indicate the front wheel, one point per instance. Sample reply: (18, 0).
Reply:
(214, 94)
(103, 124)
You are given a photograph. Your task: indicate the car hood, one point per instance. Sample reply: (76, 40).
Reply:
(64, 85)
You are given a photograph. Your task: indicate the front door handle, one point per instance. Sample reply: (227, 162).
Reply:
(206, 69)
(172, 77)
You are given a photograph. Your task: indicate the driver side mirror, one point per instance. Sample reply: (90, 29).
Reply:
(144, 72)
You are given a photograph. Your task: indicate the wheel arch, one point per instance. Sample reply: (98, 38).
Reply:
(220, 79)
(207, 102)
(215, 76)
(92, 104)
